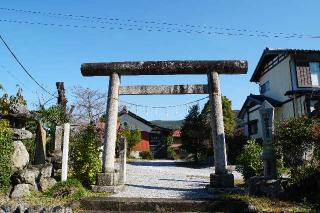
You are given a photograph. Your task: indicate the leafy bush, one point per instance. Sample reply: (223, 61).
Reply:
(133, 137)
(6, 150)
(295, 138)
(147, 155)
(250, 162)
(50, 118)
(84, 156)
(71, 188)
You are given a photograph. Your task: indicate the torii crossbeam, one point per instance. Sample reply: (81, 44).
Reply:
(212, 69)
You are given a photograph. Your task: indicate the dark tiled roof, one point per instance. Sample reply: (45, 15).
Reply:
(262, 98)
(269, 54)
(253, 100)
(148, 123)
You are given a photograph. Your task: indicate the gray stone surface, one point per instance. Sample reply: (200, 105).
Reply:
(46, 170)
(21, 190)
(262, 186)
(221, 180)
(25, 208)
(123, 161)
(21, 134)
(18, 108)
(111, 189)
(163, 89)
(46, 183)
(109, 147)
(216, 121)
(29, 176)
(164, 67)
(108, 179)
(58, 139)
(20, 156)
(167, 179)
(40, 149)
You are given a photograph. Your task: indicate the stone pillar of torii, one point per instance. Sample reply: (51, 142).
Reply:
(109, 178)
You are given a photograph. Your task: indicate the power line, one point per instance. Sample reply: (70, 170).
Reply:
(163, 107)
(12, 75)
(116, 20)
(141, 29)
(24, 69)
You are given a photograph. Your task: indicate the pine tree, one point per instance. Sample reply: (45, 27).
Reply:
(193, 134)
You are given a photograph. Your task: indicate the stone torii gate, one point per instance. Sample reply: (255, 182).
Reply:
(108, 179)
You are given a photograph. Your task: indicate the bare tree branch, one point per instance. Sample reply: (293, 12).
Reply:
(89, 103)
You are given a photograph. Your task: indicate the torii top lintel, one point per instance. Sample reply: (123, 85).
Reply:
(164, 67)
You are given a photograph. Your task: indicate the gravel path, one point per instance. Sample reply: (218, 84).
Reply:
(167, 179)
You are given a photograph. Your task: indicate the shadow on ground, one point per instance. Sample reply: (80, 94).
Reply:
(155, 163)
(196, 193)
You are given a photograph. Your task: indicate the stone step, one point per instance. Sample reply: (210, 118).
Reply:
(114, 204)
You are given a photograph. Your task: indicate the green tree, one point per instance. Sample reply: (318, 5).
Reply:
(193, 134)
(84, 156)
(229, 118)
(133, 137)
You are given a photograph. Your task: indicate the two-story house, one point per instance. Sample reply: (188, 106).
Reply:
(289, 79)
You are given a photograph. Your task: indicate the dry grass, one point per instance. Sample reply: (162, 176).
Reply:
(263, 204)
(38, 198)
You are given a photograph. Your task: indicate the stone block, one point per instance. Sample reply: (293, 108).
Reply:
(58, 139)
(46, 170)
(261, 186)
(108, 179)
(20, 156)
(21, 134)
(30, 176)
(46, 183)
(111, 189)
(40, 149)
(20, 190)
(222, 180)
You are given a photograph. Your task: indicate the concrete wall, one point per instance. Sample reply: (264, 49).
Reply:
(280, 81)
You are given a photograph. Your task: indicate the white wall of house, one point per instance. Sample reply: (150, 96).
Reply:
(299, 105)
(254, 115)
(280, 80)
(134, 123)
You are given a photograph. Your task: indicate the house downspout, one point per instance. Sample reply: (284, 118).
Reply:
(294, 98)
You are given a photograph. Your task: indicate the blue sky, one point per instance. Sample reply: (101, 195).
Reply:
(56, 53)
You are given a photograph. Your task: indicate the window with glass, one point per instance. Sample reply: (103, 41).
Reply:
(308, 74)
(253, 127)
(265, 87)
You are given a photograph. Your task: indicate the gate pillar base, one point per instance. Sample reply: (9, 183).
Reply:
(108, 182)
(221, 180)
(108, 179)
